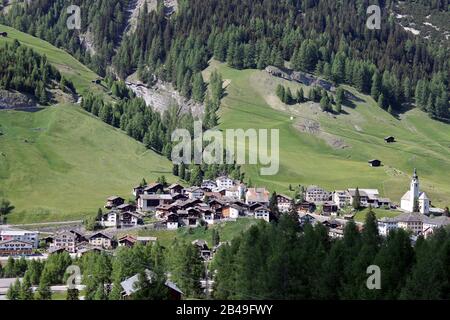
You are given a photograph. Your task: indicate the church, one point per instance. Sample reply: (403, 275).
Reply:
(414, 200)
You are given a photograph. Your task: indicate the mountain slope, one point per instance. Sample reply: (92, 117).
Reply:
(320, 156)
(80, 75)
(61, 163)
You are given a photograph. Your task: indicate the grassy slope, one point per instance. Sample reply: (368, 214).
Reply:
(306, 159)
(72, 160)
(227, 232)
(71, 163)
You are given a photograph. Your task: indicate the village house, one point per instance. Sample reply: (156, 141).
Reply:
(129, 287)
(262, 212)
(305, 207)
(329, 208)
(126, 207)
(15, 248)
(126, 241)
(20, 235)
(65, 240)
(102, 240)
(341, 198)
(224, 182)
(114, 201)
(146, 240)
(385, 225)
(209, 184)
(195, 193)
(284, 203)
(149, 202)
(211, 217)
(237, 192)
(232, 211)
(414, 222)
(137, 191)
(257, 196)
(172, 221)
(154, 188)
(316, 194)
(336, 233)
(130, 219)
(202, 246)
(175, 189)
(110, 219)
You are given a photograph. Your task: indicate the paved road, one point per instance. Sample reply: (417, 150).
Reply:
(55, 223)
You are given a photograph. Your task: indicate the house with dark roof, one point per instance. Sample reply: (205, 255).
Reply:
(114, 201)
(129, 286)
(375, 163)
(102, 240)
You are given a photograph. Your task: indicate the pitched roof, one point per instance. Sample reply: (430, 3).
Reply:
(128, 285)
(112, 198)
(100, 234)
(423, 196)
(406, 195)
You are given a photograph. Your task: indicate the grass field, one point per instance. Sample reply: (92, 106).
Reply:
(380, 213)
(309, 159)
(227, 232)
(69, 164)
(59, 164)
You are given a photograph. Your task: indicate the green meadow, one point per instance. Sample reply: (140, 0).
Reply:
(61, 163)
(335, 154)
(227, 232)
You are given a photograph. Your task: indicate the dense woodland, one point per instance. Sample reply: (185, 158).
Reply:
(285, 261)
(103, 273)
(24, 70)
(280, 260)
(326, 37)
(47, 19)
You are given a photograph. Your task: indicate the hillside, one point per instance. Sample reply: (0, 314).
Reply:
(335, 152)
(67, 65)
(61, 163)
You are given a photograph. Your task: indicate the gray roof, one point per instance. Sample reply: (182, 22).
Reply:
(128, 285)
(156, 196)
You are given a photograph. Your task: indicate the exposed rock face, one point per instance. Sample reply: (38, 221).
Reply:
(16, 100)
(162, 96)
(301, 77)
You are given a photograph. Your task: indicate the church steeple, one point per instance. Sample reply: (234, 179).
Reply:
(414, 191)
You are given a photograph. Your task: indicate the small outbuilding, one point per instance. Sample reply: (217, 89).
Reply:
(389, 139)
(375, 163)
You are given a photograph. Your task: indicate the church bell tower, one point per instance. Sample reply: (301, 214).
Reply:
(414, 190)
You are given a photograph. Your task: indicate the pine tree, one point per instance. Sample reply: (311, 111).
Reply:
(382, 102)
(13, 292)
(26, 290)
(44, 292)
(300, 96)
(288, 99)
(376, 86)
(72, 294)
(280, 91)
(356, 199)
(198, 88)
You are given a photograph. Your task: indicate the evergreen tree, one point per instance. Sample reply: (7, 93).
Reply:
(26, 290)
(356, 200)
(72, 294)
